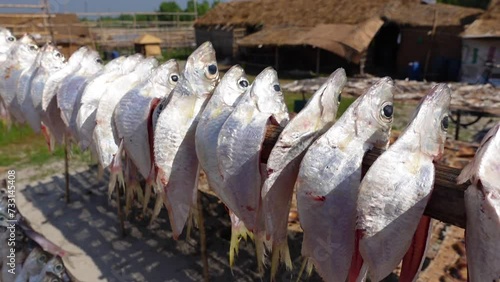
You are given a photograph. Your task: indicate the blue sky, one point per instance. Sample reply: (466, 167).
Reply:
(94, 5)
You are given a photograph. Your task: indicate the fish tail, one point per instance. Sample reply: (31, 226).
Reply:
(306, 266)
(147, 197)
(280, 253)
(157, 208)
(260, 252)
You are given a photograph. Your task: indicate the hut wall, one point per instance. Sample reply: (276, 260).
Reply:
(445, 52)
(222, 40)
(475, 53)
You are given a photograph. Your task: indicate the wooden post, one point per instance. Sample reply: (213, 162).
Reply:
(318, 52)
(428, 56)
(66, 168)
(203, 238)
(276, 58)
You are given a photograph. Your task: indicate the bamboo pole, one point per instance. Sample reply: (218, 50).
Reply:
(447, 200)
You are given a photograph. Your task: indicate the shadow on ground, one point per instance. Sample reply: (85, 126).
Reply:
(146, 253)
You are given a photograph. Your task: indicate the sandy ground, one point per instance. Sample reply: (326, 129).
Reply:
(89, 228)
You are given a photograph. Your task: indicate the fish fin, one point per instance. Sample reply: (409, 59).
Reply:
(260, 253)
(147, 197)
(157, 208)
(280, 252)
(48, 137)
(306, 266)
(238, 232)
(356, 261)
(116, 170)
(414, 257)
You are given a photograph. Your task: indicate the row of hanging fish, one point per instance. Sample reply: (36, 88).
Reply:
(27, 256)
(155, 122)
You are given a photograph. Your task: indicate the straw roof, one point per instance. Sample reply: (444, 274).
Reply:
(309, 13)
(66, 27)
(345, 40)
(488, 25)
(148, 39)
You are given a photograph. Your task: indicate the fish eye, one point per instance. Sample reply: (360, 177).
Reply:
(99, 61)
(340, 97)
(212, 69)
(243, 83)
(42, 258)
(387, 111)
(58, 55)
(445, 123)
(11, 38)
(33, 47)
(174, 77)
(58, 268)
(277, 87)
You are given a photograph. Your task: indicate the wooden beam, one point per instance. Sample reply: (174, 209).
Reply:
(447, 200)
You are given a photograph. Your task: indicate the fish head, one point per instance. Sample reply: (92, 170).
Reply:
(430, 121)
(78, 55)
(27, 39)
(130, 63)
(92, 62)
(115, 64)
(50, 277)
(266, 92)
(373, 113)
(36, 259)
(201, 71)
(232, 85)
(56, 266)
(146, 65)
(167, 74)
(331, 94)
(26, 50)
(7, 40)
(51, 58)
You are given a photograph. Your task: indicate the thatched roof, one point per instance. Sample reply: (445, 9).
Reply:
(309, 13)
(345, 40)
(66, 27)
(488, 25)
(148, 39)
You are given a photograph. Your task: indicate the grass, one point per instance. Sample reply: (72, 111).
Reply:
(20, 147)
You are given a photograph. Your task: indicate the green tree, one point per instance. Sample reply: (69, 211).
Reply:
(168, 7)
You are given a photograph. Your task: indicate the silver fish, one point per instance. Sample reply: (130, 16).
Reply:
(329, 178)
(54, 266)
(93, 92)
(284, 161)
(132, 119)
(33, 265)
(104, 132)
(71, 89)
(48, 110)
(21, 57)
(482, 208)
(226, 95)
(174, 145)
(31, 82)
(396, 189)
(7, 41)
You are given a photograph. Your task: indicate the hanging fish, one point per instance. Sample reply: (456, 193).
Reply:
(330, 175)
(94, 89)
(226, 95)
(284, 160)
(21, 57)
(482, 209)
(396, 189)
(71, 89)
(132, 119)
(174, 144)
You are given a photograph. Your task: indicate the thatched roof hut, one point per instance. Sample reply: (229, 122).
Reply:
(488, 24)
(313, 12)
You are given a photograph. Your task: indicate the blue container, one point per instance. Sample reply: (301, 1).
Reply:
(414, 70)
